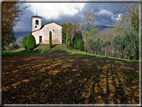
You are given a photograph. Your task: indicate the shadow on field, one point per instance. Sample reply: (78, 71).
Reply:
(66, 80)
(106, 58)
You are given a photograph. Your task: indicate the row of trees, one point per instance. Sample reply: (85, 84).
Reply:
(125, 45)
(122, 42)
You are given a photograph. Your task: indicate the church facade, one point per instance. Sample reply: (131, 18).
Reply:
(41, 33)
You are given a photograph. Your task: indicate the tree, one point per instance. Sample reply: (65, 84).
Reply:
(19, 41)
(9, 38)
(81, 46)
(107, 34)
(11, 13)
(95, 44)
(119, 44)
(31, 43)
(76, 40)
(67, 38)
(64, 31)
(24, 42)
(50, 39)
(127, 42)
(86, 25)
(106, 45)
(91, 43)
(135, 21)
(129, 19)
(74, 29)
(132, 43)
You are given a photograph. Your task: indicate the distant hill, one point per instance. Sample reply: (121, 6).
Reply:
(105, 30)
(102, 27)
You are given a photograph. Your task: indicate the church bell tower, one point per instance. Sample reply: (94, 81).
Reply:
(36, 22)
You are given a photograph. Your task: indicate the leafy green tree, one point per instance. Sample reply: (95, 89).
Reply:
(24, 42)
(106, 45)
(50, 39)
(95, 44)
(127, 42)
(132, 42)
(77, 39)
(72, 28)
(31, 43)
(64, 25)
(135, 21)
(67, 39)
(9, 38)
(119, 44)
(91, 43)
(81, 45)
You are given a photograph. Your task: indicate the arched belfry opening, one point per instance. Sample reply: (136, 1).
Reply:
(37, 22)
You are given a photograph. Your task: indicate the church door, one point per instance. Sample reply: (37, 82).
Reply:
(40, 39)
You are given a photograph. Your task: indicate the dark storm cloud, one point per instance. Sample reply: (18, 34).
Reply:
(106, 17)
(25, 20)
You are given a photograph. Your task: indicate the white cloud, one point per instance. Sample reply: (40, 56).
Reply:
(118, 16)
(53, 10)
(104, 13)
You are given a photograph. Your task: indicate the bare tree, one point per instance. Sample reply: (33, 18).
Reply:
(86, 25)
(19, 41)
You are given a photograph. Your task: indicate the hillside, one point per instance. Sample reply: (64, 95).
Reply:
(60, 50)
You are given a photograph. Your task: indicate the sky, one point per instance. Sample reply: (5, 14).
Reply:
(106, 13)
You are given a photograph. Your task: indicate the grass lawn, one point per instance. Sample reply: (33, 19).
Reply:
(73, 78)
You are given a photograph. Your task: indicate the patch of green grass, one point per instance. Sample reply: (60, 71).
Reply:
(44, 48)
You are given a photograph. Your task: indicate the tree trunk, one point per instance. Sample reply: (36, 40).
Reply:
(105, 52)
(128, 56)
(86, 46)
(122, 55)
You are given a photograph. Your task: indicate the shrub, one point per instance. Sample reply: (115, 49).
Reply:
(81, 45)
(50, 39)
(31, 42)
(24, 42)
(67, 39)
(10, 48)
(13, 46)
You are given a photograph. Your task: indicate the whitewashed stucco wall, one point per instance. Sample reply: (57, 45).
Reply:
(44, 32)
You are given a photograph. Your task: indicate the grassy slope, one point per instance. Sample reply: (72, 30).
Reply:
(57, 49)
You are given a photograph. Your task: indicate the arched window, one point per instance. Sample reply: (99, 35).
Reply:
(36, 22)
